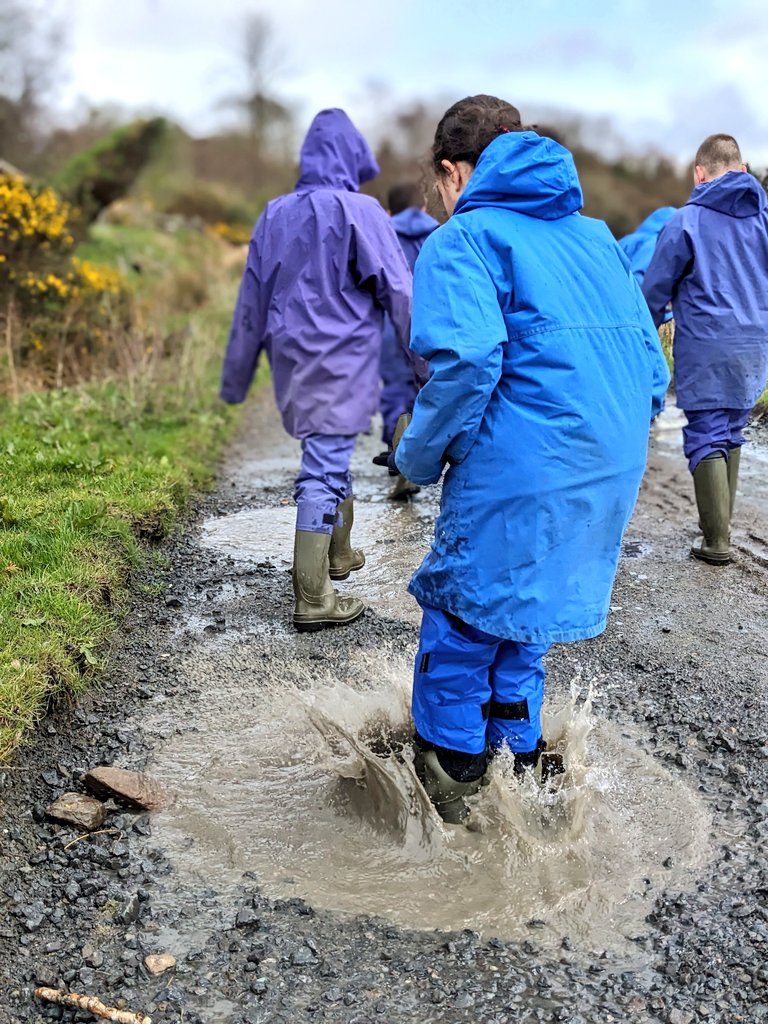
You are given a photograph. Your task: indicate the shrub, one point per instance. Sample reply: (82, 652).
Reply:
(55, 310)
(106, 171)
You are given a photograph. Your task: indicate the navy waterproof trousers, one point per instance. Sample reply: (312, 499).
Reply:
(712, 431)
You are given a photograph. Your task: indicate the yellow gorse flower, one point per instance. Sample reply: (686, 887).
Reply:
(27, 213)
(97, 278)
(35, 239)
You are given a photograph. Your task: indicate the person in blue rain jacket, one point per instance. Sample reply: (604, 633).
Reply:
(639, 245)
(412, 226)
(711, 262)
(545, 371)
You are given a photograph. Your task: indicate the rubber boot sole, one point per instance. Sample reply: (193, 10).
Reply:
(315, 625)
(701, 556)
(339, 575)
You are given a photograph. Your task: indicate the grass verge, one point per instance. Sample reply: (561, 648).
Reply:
(91, 477)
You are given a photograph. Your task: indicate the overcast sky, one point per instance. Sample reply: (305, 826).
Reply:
(666, 72)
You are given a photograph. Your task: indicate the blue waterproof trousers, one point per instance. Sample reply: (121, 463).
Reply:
(473, 691)
(712, 432)
(324, 480)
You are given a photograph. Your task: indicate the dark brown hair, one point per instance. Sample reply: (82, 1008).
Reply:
(466, 128)
(403, 196)
(718, 154)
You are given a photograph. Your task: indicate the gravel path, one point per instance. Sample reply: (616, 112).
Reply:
(683, 671)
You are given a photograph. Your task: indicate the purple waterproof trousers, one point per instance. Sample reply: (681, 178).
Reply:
(709, 431)
(324, 480)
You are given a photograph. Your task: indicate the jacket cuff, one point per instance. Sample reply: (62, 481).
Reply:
(231, 396)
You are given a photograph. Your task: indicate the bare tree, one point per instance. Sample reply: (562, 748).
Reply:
(261, 64)
(29, 68)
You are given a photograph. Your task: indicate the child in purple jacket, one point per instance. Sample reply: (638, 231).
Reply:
(324, 266)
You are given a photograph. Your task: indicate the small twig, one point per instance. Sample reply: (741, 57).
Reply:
(88, 835)
(93, 1005)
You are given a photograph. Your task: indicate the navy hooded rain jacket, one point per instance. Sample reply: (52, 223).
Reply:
(711, 261)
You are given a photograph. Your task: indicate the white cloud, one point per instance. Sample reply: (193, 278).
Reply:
(672, 69)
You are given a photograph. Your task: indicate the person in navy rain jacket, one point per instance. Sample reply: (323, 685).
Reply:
(545, 371)
(412, 226)
(711, 262)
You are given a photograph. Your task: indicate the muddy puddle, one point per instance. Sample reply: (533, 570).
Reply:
(301, 771)
(310, 786)
(394, 536)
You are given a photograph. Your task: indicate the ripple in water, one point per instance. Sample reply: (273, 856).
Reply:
(314, 790)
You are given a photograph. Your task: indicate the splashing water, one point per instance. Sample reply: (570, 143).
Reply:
(312, 786)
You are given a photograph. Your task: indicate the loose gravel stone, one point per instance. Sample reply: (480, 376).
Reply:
(76, 809)
(678, 673)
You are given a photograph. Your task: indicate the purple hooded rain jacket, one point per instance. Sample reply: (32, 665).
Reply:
(324, 265)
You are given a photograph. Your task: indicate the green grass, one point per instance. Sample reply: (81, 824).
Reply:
(88, 482)
(92, 477)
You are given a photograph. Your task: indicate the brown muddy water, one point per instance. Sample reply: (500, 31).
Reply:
(307, 780)
(393, 536)
(312, 788)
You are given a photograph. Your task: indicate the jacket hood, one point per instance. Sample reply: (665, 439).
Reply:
(655, 221)
(525, 172)
(735, 193)
(413, 223)
(335, 155)
(647, 231)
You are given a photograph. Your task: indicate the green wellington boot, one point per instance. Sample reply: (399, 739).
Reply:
(713, 498)
(446, 794)
(344, 559)
(403, 489)
(734, 461)
(318, 606)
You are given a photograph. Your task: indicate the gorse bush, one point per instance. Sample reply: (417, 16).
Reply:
(56, 310)
(35, 228)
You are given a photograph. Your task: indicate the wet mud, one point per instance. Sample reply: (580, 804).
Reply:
(298, 870)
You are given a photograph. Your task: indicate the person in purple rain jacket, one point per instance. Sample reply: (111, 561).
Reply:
(324, 265)
(413, 225)
(711, 261)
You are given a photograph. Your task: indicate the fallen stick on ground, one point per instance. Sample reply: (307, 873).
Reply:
(93, 1005)
(89, 835)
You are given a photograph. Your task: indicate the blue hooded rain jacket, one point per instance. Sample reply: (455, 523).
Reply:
(711, 261)
(545, 372)
(639, 245)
